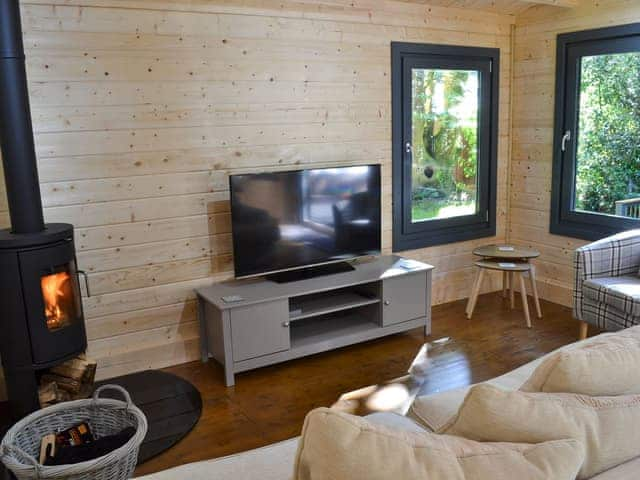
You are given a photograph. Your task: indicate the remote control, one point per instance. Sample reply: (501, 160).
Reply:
(232, 299)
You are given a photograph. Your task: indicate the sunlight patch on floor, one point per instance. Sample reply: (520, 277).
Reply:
(393, 396)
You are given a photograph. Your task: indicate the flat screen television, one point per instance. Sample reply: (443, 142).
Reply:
(295, 219)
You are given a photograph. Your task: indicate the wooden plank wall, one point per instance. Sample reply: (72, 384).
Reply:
(533, 105)
(142, 109)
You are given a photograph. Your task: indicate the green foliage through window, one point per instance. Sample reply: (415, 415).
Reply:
(445, 151)
(608, 156)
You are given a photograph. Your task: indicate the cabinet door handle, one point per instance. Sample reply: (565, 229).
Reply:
(387, 302)
(286, 324)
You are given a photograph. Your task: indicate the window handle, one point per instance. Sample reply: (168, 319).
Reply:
(565, 138)
(408, 148)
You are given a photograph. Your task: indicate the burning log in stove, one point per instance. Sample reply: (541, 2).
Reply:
(71, 380)
(59, 299)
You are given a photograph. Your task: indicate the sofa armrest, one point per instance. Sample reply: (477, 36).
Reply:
(610, 257)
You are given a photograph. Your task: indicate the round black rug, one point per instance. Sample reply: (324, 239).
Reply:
(172, 405)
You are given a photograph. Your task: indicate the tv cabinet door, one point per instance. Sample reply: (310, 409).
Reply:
(404, 298)
(259, 329)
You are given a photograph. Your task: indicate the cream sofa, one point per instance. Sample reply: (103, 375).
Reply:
(275, 462)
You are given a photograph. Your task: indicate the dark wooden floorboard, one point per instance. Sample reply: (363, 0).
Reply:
(269, 404)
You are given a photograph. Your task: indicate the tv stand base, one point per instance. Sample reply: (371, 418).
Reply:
(310, 272)
(275, 322)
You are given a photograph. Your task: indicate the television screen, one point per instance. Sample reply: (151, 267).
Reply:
(288, 220)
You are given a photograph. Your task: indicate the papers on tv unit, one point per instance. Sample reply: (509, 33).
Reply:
(408, 265)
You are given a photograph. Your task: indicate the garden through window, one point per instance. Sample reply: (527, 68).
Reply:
(608, 151)
(445, 143)
(596, 184)
(445, 104)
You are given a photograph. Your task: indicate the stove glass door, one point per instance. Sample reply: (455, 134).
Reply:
(61, 296)
(53, 302)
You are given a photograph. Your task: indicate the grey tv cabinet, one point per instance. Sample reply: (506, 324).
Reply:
(275, 322)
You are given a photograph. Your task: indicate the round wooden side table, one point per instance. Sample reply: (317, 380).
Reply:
(511, 260)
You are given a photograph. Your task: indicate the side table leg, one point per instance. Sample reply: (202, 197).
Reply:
(505, 284)
(473, 289)
(476, 292)
(534, 290)
(511, 290)
(525, 302)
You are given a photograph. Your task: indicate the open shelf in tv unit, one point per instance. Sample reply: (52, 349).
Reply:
(315, 331)
(331, 301)
(273, 322)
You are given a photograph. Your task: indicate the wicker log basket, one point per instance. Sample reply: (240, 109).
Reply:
(21, 445)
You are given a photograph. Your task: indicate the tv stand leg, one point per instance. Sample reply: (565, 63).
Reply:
(229, 377)
(427, 327)
(204, 334)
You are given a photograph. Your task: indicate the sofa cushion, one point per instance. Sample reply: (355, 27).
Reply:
(273, 462)
(335, 445)
(607, 426)
(622, 293)
(395, 421)
(434, 410)
(606, 366)
(627, 471)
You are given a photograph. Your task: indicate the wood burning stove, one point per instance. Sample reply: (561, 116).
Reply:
(52, 300)
(42, 322)
(41, 319)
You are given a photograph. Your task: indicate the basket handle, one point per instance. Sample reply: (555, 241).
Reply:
(15, 451)
(117, 388)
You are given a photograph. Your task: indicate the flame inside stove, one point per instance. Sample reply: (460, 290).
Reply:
(56, 289)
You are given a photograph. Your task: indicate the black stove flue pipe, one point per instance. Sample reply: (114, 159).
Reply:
(16, 130)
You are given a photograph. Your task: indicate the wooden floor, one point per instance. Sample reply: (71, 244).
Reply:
(269, 404)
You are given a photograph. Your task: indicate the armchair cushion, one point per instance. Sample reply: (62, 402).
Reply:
(623, 292)
(605, 316)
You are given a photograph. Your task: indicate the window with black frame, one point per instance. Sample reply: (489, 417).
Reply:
(596, 167)
(445, 121)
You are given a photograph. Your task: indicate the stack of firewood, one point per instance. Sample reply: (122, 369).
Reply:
(71, 380)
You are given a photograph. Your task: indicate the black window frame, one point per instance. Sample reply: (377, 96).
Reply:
(570, 48)
(408, 235)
